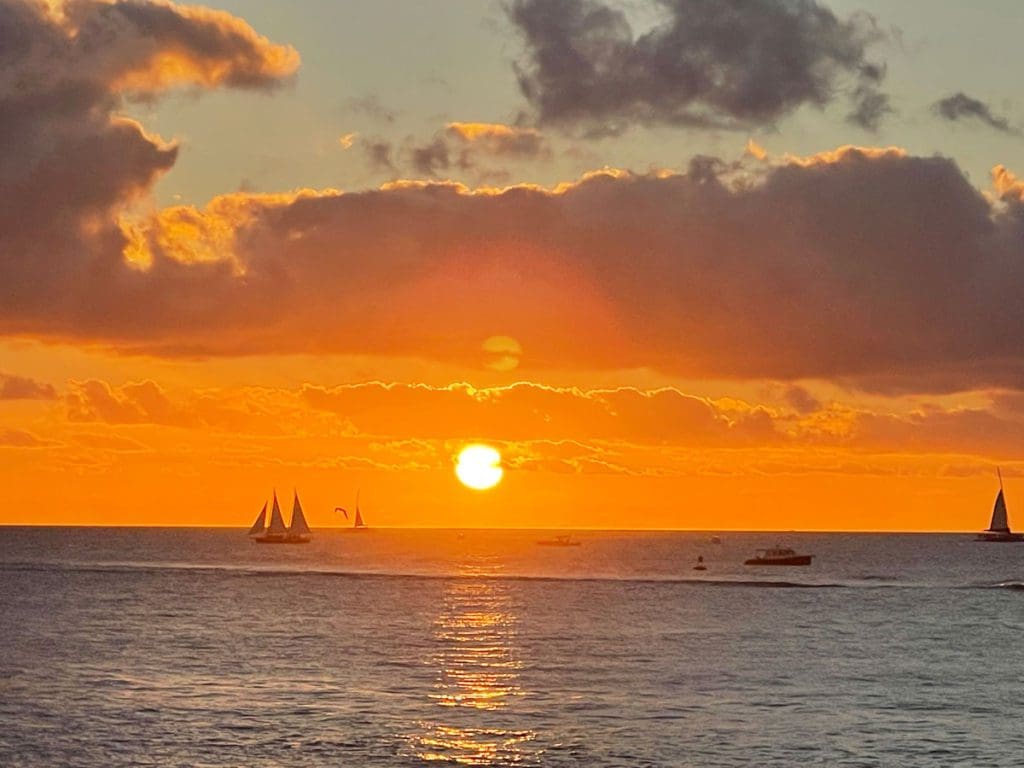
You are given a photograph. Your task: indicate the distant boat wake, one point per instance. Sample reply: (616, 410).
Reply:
(245, 571)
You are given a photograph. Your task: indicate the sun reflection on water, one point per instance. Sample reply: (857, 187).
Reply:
(477, 676)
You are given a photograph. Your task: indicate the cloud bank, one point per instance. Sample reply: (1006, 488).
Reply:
(870, 266)
(866, 265)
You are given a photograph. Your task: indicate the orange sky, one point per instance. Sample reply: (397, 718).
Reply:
(757, 341)
(138, 452)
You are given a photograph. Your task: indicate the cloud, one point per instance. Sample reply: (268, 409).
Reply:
(526, 411)
(371, 107)
(70, 162)
(622, 429)
(115, 443)
(135, 403)
(146, 47)
(378, 154)
(471, 146)
(960, 106)
(800, 399)
(866, 265)
(19, 438)
(14, 387)
(869, 104)
(732, 64)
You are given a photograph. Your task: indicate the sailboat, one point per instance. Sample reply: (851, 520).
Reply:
(999, 528)
(276, 533)
(358, 524)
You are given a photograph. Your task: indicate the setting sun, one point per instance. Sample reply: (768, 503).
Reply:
(479, 467)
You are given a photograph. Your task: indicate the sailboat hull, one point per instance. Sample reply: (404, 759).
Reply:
(281, 539)
(999, 537)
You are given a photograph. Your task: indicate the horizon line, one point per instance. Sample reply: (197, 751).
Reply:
(179, 526)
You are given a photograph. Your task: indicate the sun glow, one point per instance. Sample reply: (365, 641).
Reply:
(479, 467)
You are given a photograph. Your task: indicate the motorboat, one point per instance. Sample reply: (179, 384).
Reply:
(563, 540)
(778, 556)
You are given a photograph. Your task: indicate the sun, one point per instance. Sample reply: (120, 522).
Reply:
(478, 467)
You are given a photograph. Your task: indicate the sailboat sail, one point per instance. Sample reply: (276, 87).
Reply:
(299, 525)
(999, 523)
(359, 519)
(276, 520)
(260, 523)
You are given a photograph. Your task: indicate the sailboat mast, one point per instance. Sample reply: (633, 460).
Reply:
(1000, 476)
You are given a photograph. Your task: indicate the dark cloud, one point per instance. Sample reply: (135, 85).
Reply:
(868, 266)
(731, 64)
(23, 388)
(474, 147)
(378, 154)
(68, 162)
(371, 107)
(863, 265)
(960, 106)
(800, 399)
(432, 158)
(869, 104)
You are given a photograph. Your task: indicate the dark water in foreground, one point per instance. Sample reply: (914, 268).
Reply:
(197, 648)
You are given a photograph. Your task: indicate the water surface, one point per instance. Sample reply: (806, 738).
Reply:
(192, 647)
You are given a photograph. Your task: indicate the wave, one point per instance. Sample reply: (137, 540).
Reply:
(254, 571)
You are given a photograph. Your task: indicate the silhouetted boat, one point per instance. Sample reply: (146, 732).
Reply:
(358, 524)
(700, 564)
(559, 541)
(778, 556)
(276, 533)
(999, 527)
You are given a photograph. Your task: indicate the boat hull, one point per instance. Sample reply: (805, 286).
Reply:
(281, 539)
(999, 538)
(792, 560)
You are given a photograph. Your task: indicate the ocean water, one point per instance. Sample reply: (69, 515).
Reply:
(191, 647)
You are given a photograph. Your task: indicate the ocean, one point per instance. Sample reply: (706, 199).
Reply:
(195, 647)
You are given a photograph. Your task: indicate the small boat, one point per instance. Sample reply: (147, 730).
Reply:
(562, 540)
(700, 564)
(277, 533)
(999, 527)
(716, 539)
(778, 556)
(357, 524)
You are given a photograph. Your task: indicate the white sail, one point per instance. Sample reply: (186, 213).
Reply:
(276, 520)
(999, 520)
(299, 527)
(260, 523)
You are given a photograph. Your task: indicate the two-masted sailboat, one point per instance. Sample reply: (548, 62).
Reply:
(277, 533)
(999, 528)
